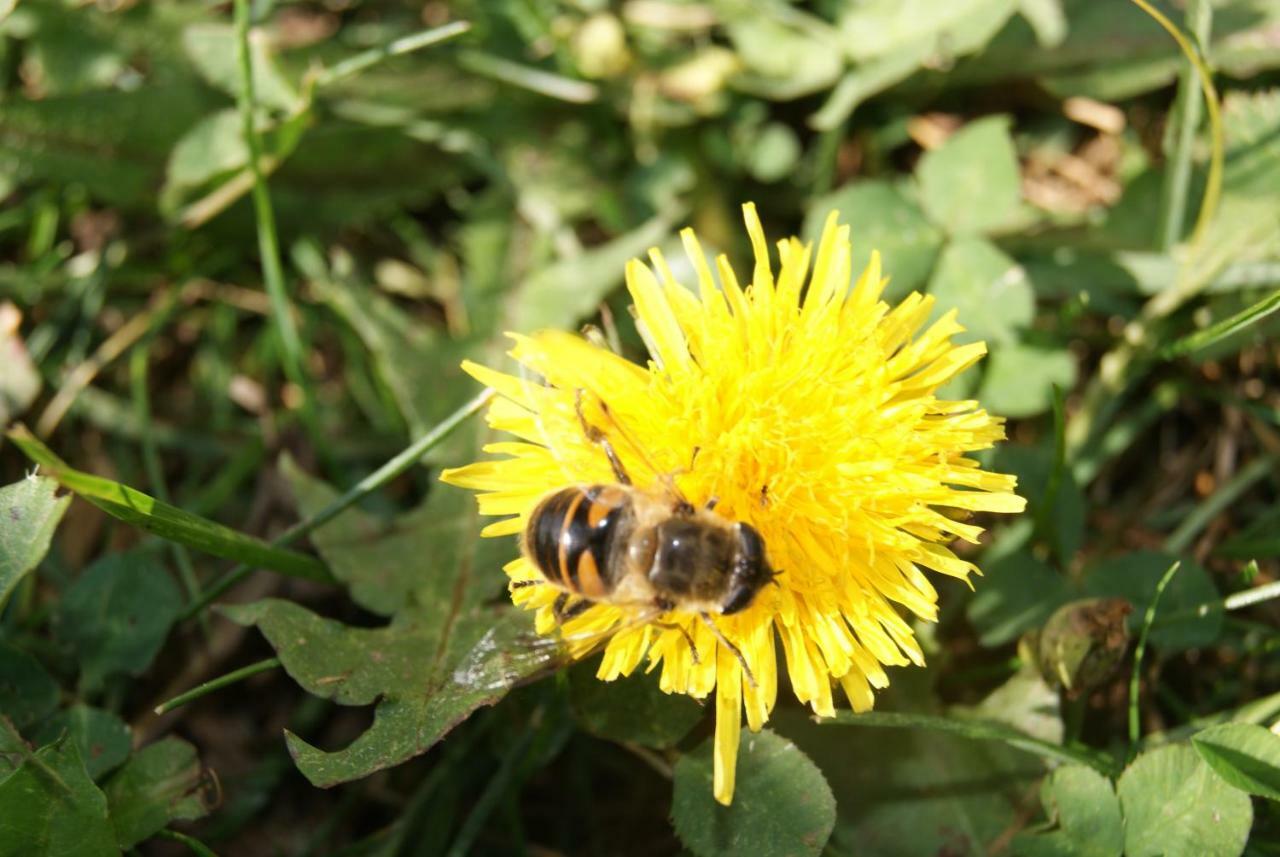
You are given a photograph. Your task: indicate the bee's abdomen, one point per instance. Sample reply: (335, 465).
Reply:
(571, 535)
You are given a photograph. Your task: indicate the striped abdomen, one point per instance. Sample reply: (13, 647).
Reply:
(571, 536)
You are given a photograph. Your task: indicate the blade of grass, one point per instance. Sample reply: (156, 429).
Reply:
(164, 520)
(1135, 728)
(1222, 329)
(398, 464)
(526, 77)
(217, 684)
(1198, 20)
(357, 63)
(268, 241)
(980, 730)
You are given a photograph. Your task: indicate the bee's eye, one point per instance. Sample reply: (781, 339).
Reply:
(739, 597)
(750, 547)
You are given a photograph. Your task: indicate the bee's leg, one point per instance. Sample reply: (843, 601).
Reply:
(597, 437)
(693, 648)
(712, 503)
(564, 611)
(521, 584)
(737, 653)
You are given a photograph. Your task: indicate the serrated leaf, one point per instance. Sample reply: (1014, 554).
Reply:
(434, 663)
(882, 216)
(1176, 806)
(631, 708)
(29, 513)
(411, 668)
(49, 807)
(117, 615)
(28, 694)
(163, 782)
(1017, 593)
(103, 738)
(167, 521)
(989, 290)
(782, 805)
(1018, 380)
(212, 49)
(1134, 576)
(970, 184)
(1246, 755)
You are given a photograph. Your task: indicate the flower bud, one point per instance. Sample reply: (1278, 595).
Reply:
(1081, 644)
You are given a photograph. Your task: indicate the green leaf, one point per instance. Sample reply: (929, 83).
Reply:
(1034, 465)
(1016, 593)
(166, 521)
(631, 708)
(214, 145)
(103, 738)
(782, 806)
(28, 694)
(1134, 576)
(1176, 806)
(1246, 755)
(29, 513)
(118, 614)
(877, 28)
(49, 807)
(907, 792)
(212, 49)
(1086, 811)
(418, 670)
(163, 782)
(1025, 702)
(970, 184)
(882, 216)
(773, 153)
(561, 294)
(785, 52)
(1019, 379)
(989, 290)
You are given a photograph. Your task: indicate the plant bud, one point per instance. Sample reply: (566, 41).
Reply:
(1081, 644)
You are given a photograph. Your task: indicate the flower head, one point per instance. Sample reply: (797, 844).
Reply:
(807, 408)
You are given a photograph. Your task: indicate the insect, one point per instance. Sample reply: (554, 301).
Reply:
(643, 547)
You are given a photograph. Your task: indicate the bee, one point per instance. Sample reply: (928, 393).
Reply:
(642, 547)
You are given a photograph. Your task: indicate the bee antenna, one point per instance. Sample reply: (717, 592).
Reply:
(737, 653)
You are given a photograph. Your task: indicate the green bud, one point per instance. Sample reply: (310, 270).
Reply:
(1081, 644)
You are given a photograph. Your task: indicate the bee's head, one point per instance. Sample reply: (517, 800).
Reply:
(750, 571)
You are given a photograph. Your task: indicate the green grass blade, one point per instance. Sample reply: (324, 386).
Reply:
(166, 521)
(1221, 330)
(1135, 729)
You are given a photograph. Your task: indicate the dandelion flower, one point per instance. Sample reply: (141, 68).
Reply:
(812, 409)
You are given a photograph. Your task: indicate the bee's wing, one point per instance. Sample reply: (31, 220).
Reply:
(503, 659)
